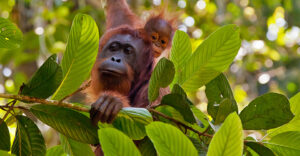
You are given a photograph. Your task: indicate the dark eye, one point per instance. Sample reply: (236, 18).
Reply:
(114, 46)
(128, 50)
(154, 36)
(163, 41)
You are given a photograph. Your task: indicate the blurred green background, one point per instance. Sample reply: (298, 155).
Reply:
(268, 60)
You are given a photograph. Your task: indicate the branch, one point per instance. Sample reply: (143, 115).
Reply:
(43, 101)
(180, 123)
(78, 90)
(8, 111)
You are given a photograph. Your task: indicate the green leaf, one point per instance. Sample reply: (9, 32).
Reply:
(80, 55)
(295, 104)
(180, 104)
(168, 140)
(171, 112)
(216, 92)
(202, 119)
(260, 148)
(74, 148)
(115, 143)
(199, 145)
(4, 137)
(226, 107)
(132, 122)
(162, 76)
(45, 81)
(293, 125)
(56, 151)
(146, 147)
(181, 51)
(68, 122)
(287, 143)
(29, 139)
(211, 58)
(178, 90)
(4, 153)
(10, 34)
(229, 138)
(268, 111)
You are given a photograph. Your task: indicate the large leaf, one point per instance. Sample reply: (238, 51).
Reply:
(74, 148)
(202, 119)
(229, 139)
(226, 107)
(181, 51)
(293, 125)
(178, 102)
(287, 143)
(115, 143)
(267, 111)
(146, 147)
(56, 151)
(199, 144)
(4, 137)
(295, 104)
(29, 139)
(132, 122)
(217, 91)
(162, 76)
(45, 81)
(211, 58)
(168, 140)
(260, 148)
(171, 112)
(178, 90)
(68, 122)
(80, 55)
(10, 35)
(4, 153)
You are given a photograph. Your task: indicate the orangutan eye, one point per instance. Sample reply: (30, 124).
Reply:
(154, 36)
(114, 46)
(128, 50)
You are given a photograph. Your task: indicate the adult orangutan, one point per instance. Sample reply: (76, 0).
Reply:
(123, 68)
(122, 71)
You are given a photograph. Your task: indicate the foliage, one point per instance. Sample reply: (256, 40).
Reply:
(181, 129)
(80, 55)
(116, 143)
(5, 137)
(10, 35)
(40, 87)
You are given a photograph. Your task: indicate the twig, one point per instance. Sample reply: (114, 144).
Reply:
(44, 101)
(179, 122)
(8, 111)
(18, 107)
(78, 90)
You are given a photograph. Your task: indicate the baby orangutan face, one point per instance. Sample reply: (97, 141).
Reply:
(161, 33)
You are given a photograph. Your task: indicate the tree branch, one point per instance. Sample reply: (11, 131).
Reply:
(78, 90)
(8, 111)
(43, 101)
(179, 122)
(78, 108)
